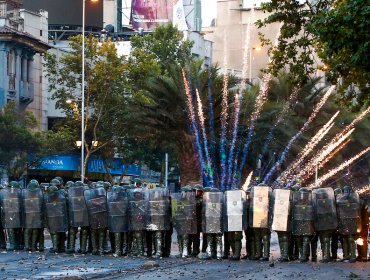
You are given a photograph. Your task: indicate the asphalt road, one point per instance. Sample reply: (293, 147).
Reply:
(23, 265)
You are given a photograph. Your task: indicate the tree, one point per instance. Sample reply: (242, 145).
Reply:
(17, 140)
(105, 92)
(335, 30)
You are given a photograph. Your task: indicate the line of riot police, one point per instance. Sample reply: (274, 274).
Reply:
(140, 221)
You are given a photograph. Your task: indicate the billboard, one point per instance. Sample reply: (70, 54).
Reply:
(148, 14)
(68, 12)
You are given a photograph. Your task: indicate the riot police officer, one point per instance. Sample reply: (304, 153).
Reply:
(303, 221)
(56, 217)
(117, 199)
(10, 201)
(96, 202)
(260, 220)
(212, 222)
(33, 219)
(282, 201)
(325, 218)
(349, 221)
(137, 212)
(235, 221)
(158, 219)
(78, 217)
(184, 218)
(194, 239)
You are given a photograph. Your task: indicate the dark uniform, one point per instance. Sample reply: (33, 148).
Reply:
(364, 234)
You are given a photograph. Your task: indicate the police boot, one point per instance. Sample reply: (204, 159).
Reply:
(101, 241)
(71, 246)
(266, 246)
(27, 239)
(180, 242)
(124, 244)
(204, 242)
(258, 244)
(167, 243)
(185, 246)
(305, 249)
(226, 246)
(19, 239)
(284, 246)
(208, 253)
(84, 235)
(2, 238)
(61, 242)
(139, 243)
(34, 239)
(12, 238)
(325, 247)
(117, 244)
(94, 242)
(41, 239)
(158, 241)
(219, 246)
(54, 240)
(105, 243)
(196, 244)
(345, 249)
(313, 244)
(351, 249)
(237, 246)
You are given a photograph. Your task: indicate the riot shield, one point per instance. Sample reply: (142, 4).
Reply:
(325, 210)
(212, 212)
(96, 203)
(137, 209)
(281, 210)
(117, 211)
(11, 210)
(235, 218)
(183, 207)
(78, 214)
(349, 214)
(32, 200)
(259, 210)
(158, 209)
(56, 211)
(303, 214)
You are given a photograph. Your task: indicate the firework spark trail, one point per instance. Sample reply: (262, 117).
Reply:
(288, 173)
(247, 181)
(239, 97)
(309, 169)
(333, 153)
(334, 171)
(302, 130)
(291, 100)
(189, 103)
(260, 101)
(224, 116)
(212, 125)
(205, 141)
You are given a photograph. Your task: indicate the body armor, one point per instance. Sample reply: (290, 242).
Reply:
(282, 210)
(324, 209)
(96, 202)
(235, 218)
(303, 214)
(259, 211)
(33, 208)
(184, 212)
(10, 199)
(158, 209)
(78, 214)
(117, 211)
(349, 214)
(212, 212)
(137, 209)
(56, 211)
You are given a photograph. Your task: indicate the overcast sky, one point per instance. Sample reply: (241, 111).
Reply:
(208, 11)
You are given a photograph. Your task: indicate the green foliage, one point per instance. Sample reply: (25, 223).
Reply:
(337, 31)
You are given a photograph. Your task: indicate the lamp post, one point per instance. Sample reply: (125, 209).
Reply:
(83, 92)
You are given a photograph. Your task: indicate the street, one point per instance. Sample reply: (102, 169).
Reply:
(23, 265)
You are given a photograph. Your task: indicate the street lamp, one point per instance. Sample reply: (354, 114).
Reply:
(83, 91)
(257, 49)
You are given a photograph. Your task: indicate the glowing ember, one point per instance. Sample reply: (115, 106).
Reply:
(334, 171)
(248, 181)
(359, 241)
(364, 190)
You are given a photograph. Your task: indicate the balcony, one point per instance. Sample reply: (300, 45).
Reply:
(26, 92)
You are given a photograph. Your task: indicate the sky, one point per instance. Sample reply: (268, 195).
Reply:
(208, 12)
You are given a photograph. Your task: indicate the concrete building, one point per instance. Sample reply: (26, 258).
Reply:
(23, 40)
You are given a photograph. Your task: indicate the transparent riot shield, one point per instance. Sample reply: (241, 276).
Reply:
(212, 212)
(158, 209)
(56, 211)
(78, 214)
(118, 211)
(183, 207)
(96, 202)
(11, 210)
(235, 218)
(325, 210)
(282, 210)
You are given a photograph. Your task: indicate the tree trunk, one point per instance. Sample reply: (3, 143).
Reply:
(188, 162)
